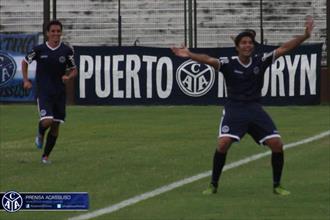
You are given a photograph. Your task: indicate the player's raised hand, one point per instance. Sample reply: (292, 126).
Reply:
(182, 51)
(309, 25)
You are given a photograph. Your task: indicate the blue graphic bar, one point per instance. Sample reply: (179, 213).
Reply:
(64, 201)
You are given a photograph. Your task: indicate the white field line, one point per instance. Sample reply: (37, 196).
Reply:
(174, 185)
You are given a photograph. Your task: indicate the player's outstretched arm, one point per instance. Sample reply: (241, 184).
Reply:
(295, 42)
(201, 58)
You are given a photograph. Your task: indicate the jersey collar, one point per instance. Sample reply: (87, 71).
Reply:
(245, 65)
(53, 48)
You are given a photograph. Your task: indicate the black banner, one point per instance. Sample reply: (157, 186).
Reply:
(144, 75)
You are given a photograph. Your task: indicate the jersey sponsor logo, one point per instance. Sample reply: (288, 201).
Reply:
(62, 59)
(238, 71)
(225, 129)
(43, 56)
(12, 201)
(195, 79)
(7, 68)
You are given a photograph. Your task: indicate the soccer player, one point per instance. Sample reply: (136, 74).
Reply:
(55, 67)
(243, 113)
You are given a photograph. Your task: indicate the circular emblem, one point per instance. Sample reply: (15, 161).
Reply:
(43, 112)
(195, 79)
(12, 201)
(62, 59)
(7, 68)
(256, 70)
(225, 129)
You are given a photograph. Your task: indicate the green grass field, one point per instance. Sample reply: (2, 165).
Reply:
(115, 153)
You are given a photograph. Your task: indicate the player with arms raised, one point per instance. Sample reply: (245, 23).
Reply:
(243, 113)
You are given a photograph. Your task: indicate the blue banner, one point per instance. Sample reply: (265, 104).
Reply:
(18, 43)
(13, 49)
(65, 201)
(144, 75)
(11, 79)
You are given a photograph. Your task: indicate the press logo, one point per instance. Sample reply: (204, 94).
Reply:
(195, 79)
(12, 201)
(7, 68)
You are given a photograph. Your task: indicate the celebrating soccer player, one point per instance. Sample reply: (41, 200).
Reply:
(243, 113)
(55, 67)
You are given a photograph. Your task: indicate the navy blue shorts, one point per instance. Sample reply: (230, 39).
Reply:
(240, 118)
(52, 107)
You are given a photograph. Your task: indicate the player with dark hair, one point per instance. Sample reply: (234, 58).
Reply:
(243, 113)
(253, 32)
(257, 45)
(54, 59)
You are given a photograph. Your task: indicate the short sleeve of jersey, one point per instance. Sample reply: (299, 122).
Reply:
(268, 58)
(70, 59)
(224, 62)
(32, 55)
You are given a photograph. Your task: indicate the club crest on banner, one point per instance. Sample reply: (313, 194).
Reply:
(7, 68)
(195, 79)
